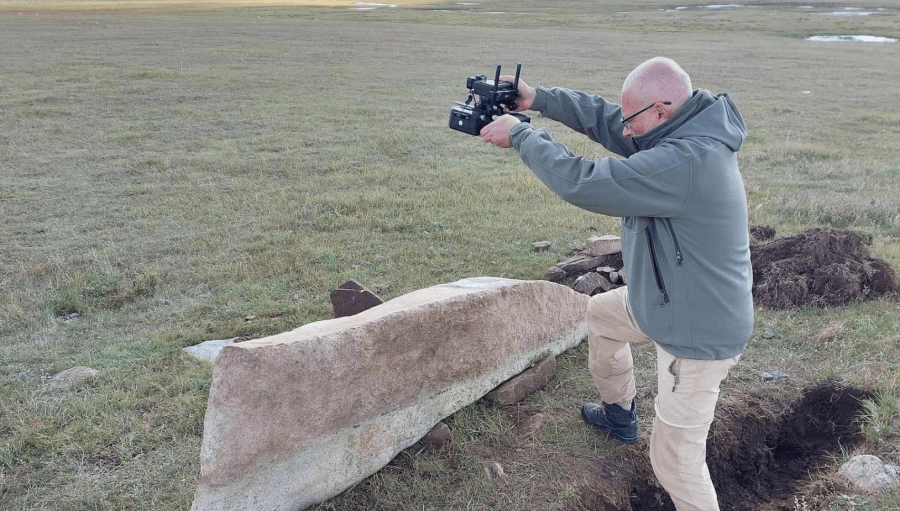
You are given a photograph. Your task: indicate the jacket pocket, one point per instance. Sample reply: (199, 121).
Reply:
(654, 259)
(679, 257)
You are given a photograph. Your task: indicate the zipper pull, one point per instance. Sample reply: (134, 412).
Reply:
(678, 257)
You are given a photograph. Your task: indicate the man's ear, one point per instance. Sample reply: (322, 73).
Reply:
(662, 112)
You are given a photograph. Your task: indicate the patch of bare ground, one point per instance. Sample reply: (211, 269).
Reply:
(761, 454)
(821, 267)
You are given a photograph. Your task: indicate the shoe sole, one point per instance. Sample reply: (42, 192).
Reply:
(609, 432)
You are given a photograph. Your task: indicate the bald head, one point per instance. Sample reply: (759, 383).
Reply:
(658, 79)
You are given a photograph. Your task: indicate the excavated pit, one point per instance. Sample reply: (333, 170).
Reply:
(759, 454)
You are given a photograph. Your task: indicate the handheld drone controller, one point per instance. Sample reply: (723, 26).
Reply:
(486, 99)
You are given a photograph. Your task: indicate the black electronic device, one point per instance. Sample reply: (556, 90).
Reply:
(487, 98)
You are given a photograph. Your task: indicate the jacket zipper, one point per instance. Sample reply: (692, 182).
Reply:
(678, 256)
(663, 294)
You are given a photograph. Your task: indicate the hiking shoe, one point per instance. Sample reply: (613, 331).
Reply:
(619, 422)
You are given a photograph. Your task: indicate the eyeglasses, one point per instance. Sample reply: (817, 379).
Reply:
(627, 120)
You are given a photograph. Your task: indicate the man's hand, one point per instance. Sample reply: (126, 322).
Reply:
(497, 132)
(526, 93)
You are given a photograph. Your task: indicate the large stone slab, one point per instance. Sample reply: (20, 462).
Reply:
(298, 417)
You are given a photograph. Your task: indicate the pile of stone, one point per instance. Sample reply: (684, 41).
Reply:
(596, 269)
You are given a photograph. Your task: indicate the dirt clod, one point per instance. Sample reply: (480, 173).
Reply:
(820, 267)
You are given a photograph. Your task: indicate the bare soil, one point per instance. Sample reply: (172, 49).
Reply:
(759, 455)
(820, 267)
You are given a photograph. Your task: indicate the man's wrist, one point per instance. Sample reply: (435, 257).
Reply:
(540, 99)
(517, 130)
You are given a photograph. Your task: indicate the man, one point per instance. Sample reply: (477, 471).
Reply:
(685, 243)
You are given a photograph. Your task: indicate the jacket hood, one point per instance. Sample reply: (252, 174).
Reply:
(704, 115)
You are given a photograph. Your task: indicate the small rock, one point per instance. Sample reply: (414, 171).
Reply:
(588, 283)
(72, 376)
(532, 425)
(581, 262)
(604, 245)
(768, 333)
(540, 246)
(522, 385)
(555, 274)
(605, 285)
(773, 375)
(209, 350)
(831, 333)
(438, 438)
(495, 470)
(614, 277)
(869, 474)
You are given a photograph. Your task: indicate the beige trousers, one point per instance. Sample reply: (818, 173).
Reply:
(685, 403)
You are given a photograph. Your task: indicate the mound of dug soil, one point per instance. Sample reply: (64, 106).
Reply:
(758, 454)
(820, 267)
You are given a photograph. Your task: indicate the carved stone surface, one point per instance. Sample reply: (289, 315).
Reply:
(298, 417)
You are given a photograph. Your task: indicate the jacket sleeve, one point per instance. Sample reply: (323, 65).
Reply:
(653, 182)
(591, 115)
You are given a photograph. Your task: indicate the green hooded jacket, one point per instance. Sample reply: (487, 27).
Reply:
(685, 237)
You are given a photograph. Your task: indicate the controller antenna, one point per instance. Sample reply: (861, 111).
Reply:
(518, 70)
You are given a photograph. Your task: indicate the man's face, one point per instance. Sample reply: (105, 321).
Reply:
(644, 121)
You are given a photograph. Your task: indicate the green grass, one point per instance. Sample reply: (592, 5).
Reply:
(879, 415)
(169, 176)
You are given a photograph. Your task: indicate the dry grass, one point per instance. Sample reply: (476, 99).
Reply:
(169, 175)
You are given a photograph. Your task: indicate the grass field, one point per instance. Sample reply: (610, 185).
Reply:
(176, 173)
